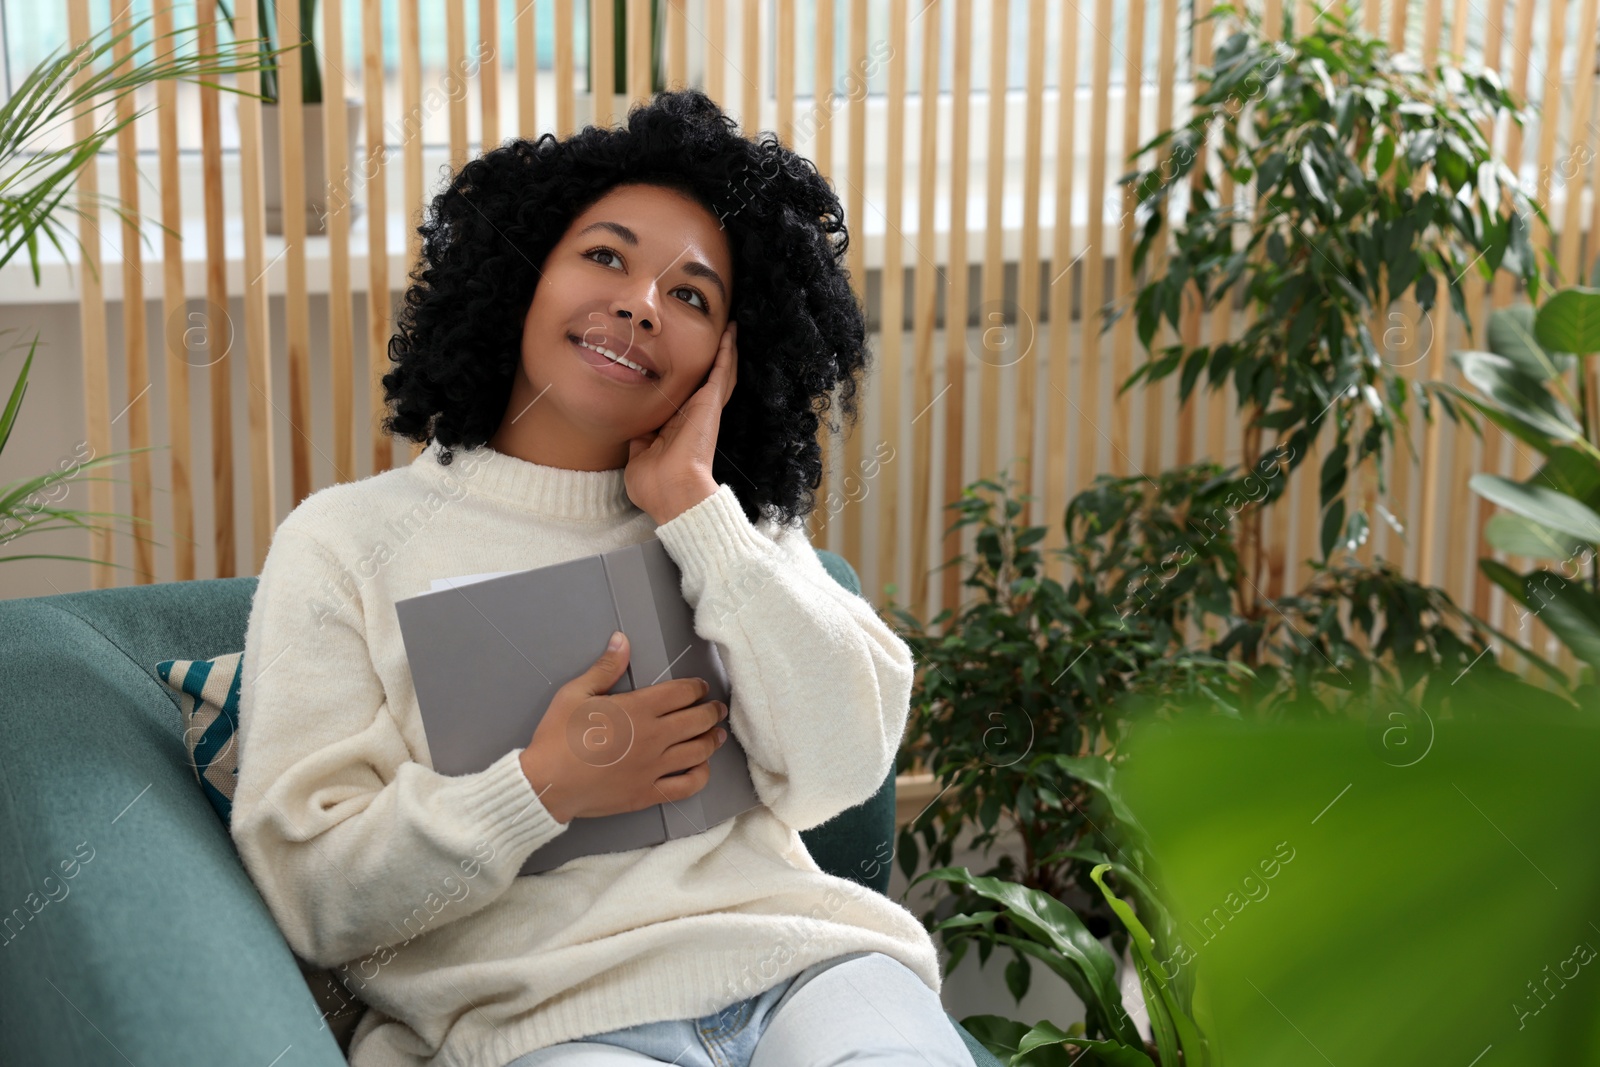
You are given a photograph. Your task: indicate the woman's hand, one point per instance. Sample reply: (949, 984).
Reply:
(669, 470)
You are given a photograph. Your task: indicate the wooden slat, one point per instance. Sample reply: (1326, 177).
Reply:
(92, 323)
(637, 36)
(856, 254)
(1262, 533)
(1458, 30)
(336, 153)
(716, 56)
(1549, 117)
(263, 479)
(1123, 337)
(1094, 260)
(992, 326)
(923, 311)
(886, 566)
(823, 103)
(1488, 599)
(455, 84)
(1201, 33)
(1025, 356)
(377, 234)
(750, 68)
(566, 121)
(411, 175)
(526, 22)
(215, 333)
(1433, 442)
(1432, 26)
(602, 63)
(1063, 412)
(172, 315)
(1222, 402)
(297, 304)
(1580, 142)
(783, 40)
(1397, 25)
(677, 44)
(954, 402)
(409, 32)
(1155, 424)
(1549, 113)
(489, 73)
(135, 343)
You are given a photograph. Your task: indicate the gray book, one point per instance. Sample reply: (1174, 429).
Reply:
(487, 655)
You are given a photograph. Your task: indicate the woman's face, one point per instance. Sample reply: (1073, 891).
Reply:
(645, 274)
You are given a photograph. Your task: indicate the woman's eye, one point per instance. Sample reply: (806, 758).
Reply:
(703, 305)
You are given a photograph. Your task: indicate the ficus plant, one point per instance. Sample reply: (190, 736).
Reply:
(1015, 706)
(1023, 695)
(1321, 179)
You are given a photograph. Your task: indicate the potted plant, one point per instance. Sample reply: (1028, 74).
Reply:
(1370, 179)
(38, 179)
(318, 194)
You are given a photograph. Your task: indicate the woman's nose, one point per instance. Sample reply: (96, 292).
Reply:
(644, 322)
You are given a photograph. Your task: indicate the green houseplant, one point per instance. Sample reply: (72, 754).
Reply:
(1521, 386)
(34, 185)
(1369, 180)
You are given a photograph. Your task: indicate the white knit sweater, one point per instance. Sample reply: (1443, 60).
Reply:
(406, 880)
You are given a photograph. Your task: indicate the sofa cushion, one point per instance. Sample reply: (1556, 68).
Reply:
(208, 698)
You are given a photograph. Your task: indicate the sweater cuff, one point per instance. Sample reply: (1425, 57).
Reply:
(503, 802)
(709, 538)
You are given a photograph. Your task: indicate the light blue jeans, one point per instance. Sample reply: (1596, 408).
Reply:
(862, 1007)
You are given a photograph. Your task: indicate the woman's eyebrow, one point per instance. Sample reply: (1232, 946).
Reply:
(690, 266)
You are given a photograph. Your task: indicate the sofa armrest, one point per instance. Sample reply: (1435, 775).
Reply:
(130, 931)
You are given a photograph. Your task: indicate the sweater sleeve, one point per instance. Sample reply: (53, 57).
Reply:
(821, 686)
(353, 844)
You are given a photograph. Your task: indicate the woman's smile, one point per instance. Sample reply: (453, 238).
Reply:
(592, 355)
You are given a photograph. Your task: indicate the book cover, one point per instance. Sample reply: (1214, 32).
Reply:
(488, 652)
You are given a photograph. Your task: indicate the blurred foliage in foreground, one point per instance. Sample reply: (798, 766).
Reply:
(1345, 899)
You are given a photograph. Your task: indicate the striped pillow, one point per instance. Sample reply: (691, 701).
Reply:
(208, 697)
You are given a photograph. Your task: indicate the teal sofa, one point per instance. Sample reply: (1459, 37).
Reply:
(129, 930)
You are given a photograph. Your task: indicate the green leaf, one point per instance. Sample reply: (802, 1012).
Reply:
(1466, 863)
(1570, 321)
(10, 416)
(1521, 536)
(1518, 394)
(1573, 472)
(1018, 973)
(1572, 613)
(1528, 435)
(1541, 504)
(1114, 1053)
(1053, 928)
(1159, 1000)
(1511, 334)
(1332, 523)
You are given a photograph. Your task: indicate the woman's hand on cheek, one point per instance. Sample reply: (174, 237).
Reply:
(669, 469)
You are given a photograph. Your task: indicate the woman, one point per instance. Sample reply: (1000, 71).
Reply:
(569, 349)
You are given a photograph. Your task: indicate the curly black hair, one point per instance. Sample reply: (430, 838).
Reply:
(801, 330)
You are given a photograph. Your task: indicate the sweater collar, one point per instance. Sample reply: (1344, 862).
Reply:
(548, 492)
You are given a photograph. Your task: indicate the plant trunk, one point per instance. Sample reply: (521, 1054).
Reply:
(1250, 537)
